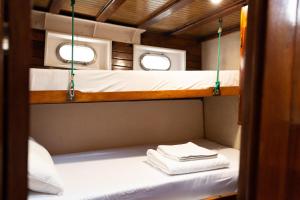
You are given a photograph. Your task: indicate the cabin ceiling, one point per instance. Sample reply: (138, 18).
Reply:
(189, 18)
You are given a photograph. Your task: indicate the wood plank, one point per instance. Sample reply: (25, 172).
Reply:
(221, 12)
(252, 95)
(122, 47)
(2, 95)
(16, 96)
(38, 49)
(276, 107)
(122, 63)
(122, 56)
(165, 12)
(57, 5)
(226, 196)
(52, 97)
(37, 62)
(38, 35)
(243, 35)
(294, 138)
(111, 7)
(116, 67)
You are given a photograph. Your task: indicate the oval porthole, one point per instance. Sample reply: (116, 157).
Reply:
(152, 61)
(83, 55)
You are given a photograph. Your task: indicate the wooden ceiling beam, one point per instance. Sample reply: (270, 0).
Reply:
(221, 12)
(164, 12)
(111, 7)
(57, 5)
(225, 31)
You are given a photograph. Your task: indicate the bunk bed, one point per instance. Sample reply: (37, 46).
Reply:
(49, 86)
(123, 173)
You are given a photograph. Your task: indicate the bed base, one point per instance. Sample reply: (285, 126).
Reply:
(60, 96)
(226, 196)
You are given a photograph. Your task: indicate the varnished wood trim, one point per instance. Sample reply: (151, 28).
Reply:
(16, 96)
(2, 95)
(164, 12)
(52, 97)
(111, 7)
(225, 196)
(56, 5)
(215, 15)
(252, 95)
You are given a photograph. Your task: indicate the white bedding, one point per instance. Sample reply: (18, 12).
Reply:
(119, 81)
(123, 174)
(173, 167)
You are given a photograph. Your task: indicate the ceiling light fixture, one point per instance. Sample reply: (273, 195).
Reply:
(216, 1)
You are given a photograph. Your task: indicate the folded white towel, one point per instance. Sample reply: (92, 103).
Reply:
(186, 152)
(173, 167)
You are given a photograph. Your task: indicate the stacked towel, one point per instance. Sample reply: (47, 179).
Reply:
(185, 158)
(186, 152)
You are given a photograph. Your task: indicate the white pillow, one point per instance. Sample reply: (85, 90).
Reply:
(42, 174)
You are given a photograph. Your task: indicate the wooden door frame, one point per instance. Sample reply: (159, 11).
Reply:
(15, 105)
(258, 152)
(17, 108)
(252, 93)
(1, 102)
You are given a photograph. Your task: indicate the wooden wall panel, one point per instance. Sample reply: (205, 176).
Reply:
(41, 3)
(192, 47)
(252, 95)
(122, 56)
(16, 96)
(277, 108)
(38, 48)
(270, 167)
(244, 14)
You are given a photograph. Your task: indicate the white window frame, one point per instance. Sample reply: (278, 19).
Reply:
(75, 62)
(158, 55)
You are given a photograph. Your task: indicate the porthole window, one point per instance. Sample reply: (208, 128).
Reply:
(153, 61)
(83, 55)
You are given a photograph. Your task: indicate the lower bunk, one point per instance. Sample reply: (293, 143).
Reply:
(124, 173)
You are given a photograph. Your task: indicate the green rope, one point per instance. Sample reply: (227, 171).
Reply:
(72, 83)
(216, 91)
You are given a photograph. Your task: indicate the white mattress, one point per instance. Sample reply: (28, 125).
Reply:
(123, 174)
(120, 81)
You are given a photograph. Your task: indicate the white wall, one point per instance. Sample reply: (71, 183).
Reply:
(221, 113)
(221, 118)
(67, 128)
(230, 52)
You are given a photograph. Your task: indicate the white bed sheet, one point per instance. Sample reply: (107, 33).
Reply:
(123, 174)
(120, 81)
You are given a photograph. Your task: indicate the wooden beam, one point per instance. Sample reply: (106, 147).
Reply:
(225, 31)
(57, 5)
(164, 12)
(60, 96)
(15, 116)
(224, 11)
(111, 7)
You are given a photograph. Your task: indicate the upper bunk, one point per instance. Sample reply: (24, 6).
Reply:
(51, 85)
(115, 77)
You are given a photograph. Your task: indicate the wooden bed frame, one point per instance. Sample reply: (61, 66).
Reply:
(225, 196)
(60, 96)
